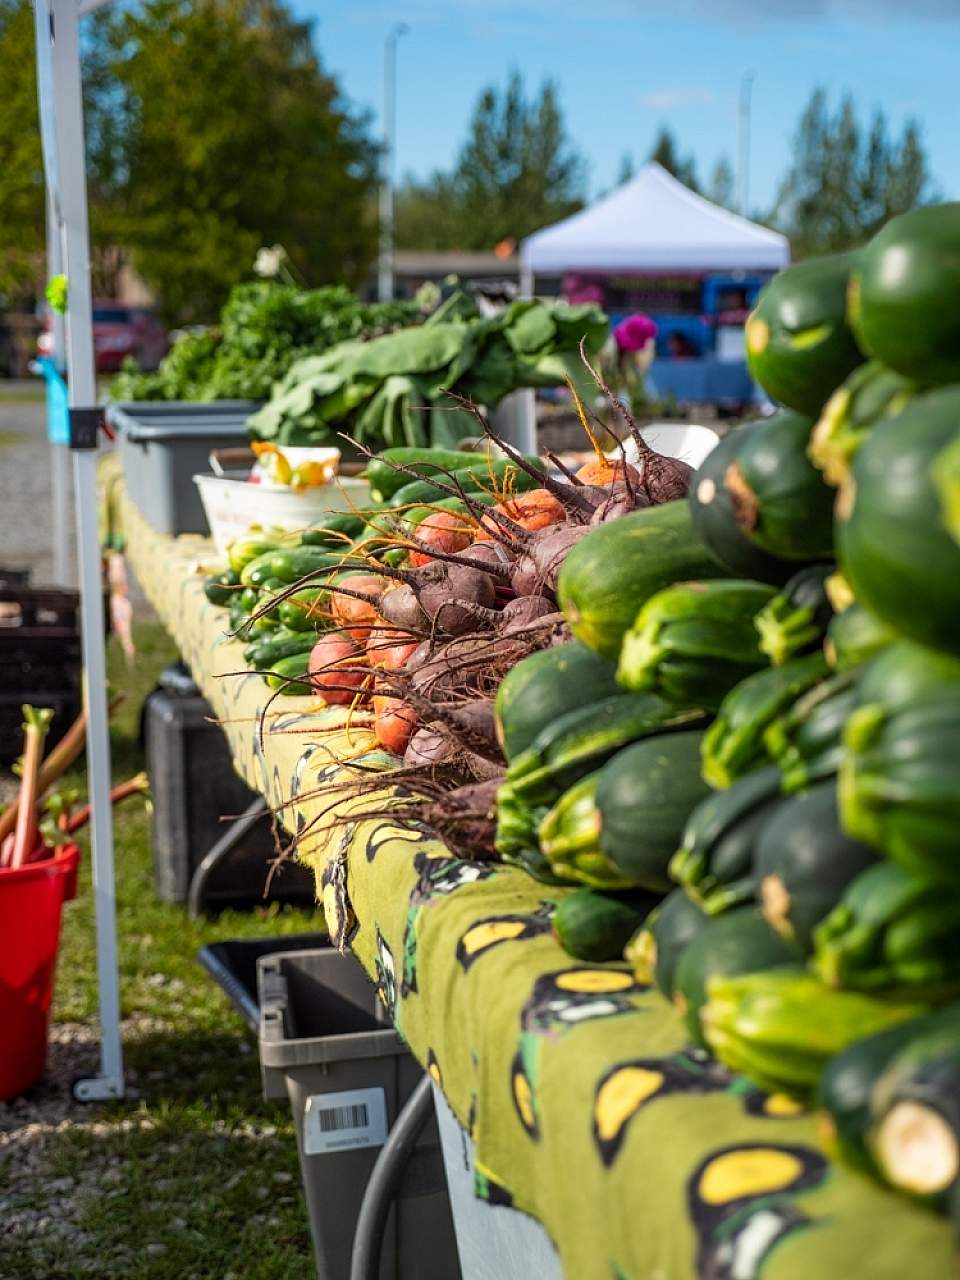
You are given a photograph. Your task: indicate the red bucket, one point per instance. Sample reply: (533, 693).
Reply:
(31, 899)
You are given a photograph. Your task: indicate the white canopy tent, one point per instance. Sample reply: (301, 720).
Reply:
(652, 223)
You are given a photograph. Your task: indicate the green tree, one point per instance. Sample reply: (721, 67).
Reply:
(223, 134)
(627, 170)
(21, 166)
(721, 184)
(667, 154)
(516, 172)
(846, 181)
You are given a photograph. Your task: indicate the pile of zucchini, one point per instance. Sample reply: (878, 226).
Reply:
(752, 749)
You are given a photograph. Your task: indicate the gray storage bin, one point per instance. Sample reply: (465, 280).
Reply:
(325, 1045)
(164, 444)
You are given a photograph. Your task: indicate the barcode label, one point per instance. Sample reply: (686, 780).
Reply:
(343, 1118)
(347, 1121)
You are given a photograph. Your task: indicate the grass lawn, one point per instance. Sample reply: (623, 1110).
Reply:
(196, 1177)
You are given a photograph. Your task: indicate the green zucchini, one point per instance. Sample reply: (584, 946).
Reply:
(914, 1113)
(870, 394)
(848, 1086)
(283, 674)
(654, 952)
(694, 641)
(546, 685)
(596, 926)
(945, 471)
(714, 519)
(803, 863)
(611, 573)
(584, 739)
(904, 673)
(900, 783)
(799, 344)
(618, 827)
(781, 502)
(384, 478)
(903, 294)
(782, 1026)
(891, 931)
(222, 588)
(516, 836)
(855, 635)
(796, 619)
(715, 861)
(263, 652)
(735, 742)
(738, 942)
(806, 741)
(892, 543)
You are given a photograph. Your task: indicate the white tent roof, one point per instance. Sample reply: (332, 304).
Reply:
(654, 223)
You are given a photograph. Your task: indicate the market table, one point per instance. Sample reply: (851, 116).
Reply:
(641, 1157)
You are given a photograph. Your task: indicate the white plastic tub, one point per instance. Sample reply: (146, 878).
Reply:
(687, 441)
(232, 506)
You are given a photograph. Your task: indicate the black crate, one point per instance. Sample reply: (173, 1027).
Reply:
(195, 787)
(40, 657)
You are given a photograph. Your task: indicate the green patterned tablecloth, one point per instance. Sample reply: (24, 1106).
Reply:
(642, 1159)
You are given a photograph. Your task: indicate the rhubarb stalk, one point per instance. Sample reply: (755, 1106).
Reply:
(36, 723)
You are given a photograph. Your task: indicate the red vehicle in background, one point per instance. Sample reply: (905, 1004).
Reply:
(119, 331)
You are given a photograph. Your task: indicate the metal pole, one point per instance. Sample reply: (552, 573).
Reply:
(385, 265)
(58, 40)
(64, 572)
(743, 144)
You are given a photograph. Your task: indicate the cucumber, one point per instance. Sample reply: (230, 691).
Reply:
(654, 952)
(892, 543)
(256, 572)
(803, 863)
(714, 519)
(242, 550)
(290, 564)
(618, 827)
(799, 344)
(738, 942)
(781, 502)
(263, 652)
(903, 294)
(480, 479)
(735, 743)
(694, 641)
(305, 610)
(221, 588)
(282, 675)
(334, 531)
(714, 863)
(546, 685)
(796, 619)
(611, 573)
(596, 926)
(384, 479)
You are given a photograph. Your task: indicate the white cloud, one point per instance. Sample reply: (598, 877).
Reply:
(678, 96)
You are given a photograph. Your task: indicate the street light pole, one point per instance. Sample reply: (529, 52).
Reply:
(743, 144)
(385, 265)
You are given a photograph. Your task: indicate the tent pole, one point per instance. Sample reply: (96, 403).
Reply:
(64, 574)
(61, 98)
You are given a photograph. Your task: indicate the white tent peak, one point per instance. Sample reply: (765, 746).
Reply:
(654, 223)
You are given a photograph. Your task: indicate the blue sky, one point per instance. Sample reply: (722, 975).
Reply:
(625, 66)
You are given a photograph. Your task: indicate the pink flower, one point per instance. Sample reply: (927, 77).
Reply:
(633, 333)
